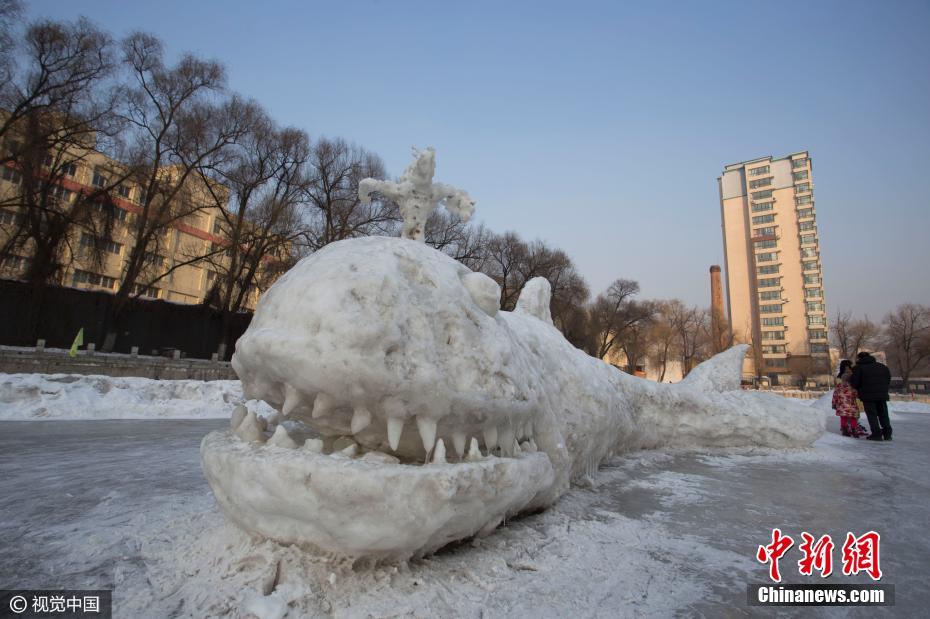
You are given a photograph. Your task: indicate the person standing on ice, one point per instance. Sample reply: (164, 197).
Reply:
(872, 380)
(844, 401)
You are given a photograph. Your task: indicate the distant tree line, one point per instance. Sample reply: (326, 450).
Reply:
(903, 335)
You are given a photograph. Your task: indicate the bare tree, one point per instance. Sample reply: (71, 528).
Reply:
(907, 339)
(612, 313)
(335, 211)
(177, 126)
(267, 178)
(692, 327)
(852, 335)
(633, 340)
(57, 109)
(663, 341)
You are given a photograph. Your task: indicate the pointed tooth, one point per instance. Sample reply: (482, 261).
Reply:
(250, 430)
(282, 438)
(458, 441)
(314, 445)
(427, 428)
(238, 415)
(505, 437)
(323, 404)
(351, 450)
(490, 438)
(474, 452)
(527, 447)
(395, 425)
(291, 400)
(516, 447)
(361, 419)
(439, 454)
(533, 445)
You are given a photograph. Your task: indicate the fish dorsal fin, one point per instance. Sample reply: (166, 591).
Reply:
(719, 373)
(535, 298)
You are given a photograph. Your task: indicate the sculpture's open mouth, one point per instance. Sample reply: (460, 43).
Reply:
(365, 502)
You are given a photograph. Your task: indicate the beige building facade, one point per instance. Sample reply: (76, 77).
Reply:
(774, 279)
(197, 234)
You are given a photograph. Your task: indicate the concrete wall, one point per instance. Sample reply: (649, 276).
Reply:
(57, 361)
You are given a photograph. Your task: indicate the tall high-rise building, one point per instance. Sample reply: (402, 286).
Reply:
(774, 281)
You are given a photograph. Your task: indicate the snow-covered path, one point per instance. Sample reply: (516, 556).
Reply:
(122, 504)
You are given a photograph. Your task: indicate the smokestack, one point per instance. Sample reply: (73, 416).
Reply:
(716, 310)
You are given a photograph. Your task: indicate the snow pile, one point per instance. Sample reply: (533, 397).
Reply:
(392, 353)
(73, 396)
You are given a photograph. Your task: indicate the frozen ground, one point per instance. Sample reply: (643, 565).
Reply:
(123, 505)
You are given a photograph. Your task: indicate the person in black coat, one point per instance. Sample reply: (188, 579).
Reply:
(872, 379)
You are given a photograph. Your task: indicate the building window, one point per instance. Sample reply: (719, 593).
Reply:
(145, 291)
(768, 244)
(776, 363)
(70, 169)
(811, 279)
(805, 212)
(762, 206)
(769, 282)
(802, 188)
(773, 349)
(767, 231)
(14, 263)
(770, 295)
(813, 293)
(767, 256)
(154, 259)
(140, 195)
(9, 218)
(773, 335)
(804, 226)
(108, 210)
(802, 200)
(123, 191)
(809, 266)
(767, 269)
(817, 334)
(759, 171)
(217, 226)
(763, 219)
(814, 306)
(100, 180)
(93, 279)
(770, 309)
(760, 182)
(762, 195)
(89, 240)
(63, 195)
(777, 321)
(9, 174)
(807, 239)
(800, 176)
(809, 252)
(819, 348)
(799, 163)
(816, 320)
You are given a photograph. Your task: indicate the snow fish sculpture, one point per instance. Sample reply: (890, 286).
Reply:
(437, 414)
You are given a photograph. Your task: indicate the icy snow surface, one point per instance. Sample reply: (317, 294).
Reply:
(123, 505)
(74, 396)
(387, 348)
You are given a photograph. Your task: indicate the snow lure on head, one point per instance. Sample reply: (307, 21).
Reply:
(433, 415)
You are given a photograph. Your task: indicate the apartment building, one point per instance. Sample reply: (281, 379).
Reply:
(774, 280)
(195, 235)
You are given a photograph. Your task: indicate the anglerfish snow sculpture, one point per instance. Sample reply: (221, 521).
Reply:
(437, 415)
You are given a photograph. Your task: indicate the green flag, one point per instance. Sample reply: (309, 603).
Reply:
(78, 341)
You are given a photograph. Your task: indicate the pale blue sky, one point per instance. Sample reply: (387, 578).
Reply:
(602, 127)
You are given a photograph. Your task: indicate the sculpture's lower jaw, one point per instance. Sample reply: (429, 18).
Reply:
(355, 508)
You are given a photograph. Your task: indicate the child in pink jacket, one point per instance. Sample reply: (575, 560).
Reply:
(844, 401)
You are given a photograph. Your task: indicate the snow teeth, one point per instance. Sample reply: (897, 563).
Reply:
(505, 432)
(361, 419)
(395, 425)
(490, 438)
(351, 450)
(380, 457)
(238, 415)
(250, 429)
(533, 446)
(458, 442)
(427, 428)
(516, 447)
(439, 455)
(528, 447)
(281, 438)
(474, 453)
(314, 445)
(291, 400)
(323, 404)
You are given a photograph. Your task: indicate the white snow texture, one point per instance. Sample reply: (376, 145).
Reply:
(440, 416)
